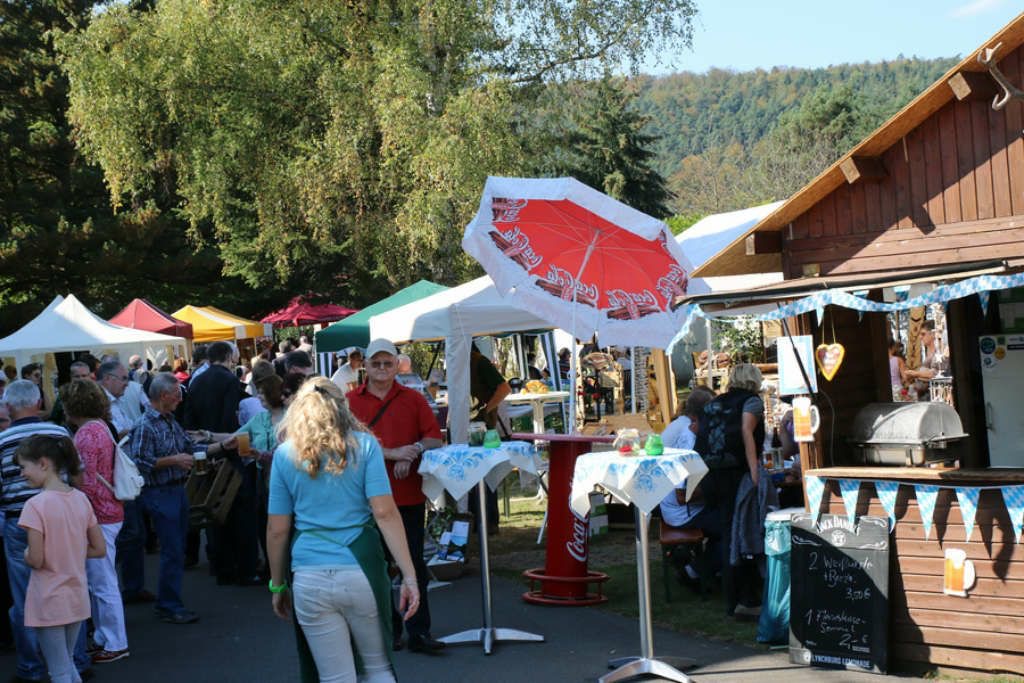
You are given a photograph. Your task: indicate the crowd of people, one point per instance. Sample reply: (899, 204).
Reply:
(74, 553)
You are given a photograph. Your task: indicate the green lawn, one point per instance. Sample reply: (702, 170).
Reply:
(515, 549)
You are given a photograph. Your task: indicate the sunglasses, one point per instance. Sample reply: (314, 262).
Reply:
(382, 364)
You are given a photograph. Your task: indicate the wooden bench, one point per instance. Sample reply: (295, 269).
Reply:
(675, 540)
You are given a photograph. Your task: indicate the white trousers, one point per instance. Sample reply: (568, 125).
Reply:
(107, 608)
(334, 608)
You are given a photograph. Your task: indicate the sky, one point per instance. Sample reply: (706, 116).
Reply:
(749, 34)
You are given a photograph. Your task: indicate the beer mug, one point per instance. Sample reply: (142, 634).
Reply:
(200, 465)
(806, 419)
(959, 575)
(244, 446)
(477, 431)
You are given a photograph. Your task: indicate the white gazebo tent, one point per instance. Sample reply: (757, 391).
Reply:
(67, 325)
(456, 316)
(712, 234)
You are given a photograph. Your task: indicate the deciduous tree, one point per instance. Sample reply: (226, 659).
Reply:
(341, 142)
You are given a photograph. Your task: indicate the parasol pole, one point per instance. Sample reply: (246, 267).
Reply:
(573, 362)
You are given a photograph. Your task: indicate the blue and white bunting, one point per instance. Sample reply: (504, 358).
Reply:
(926, 496)
(887, 491)
(968, 499)
(850, 488)
(817, 301)
(815, 487)
(1013, 496)
(983, 298)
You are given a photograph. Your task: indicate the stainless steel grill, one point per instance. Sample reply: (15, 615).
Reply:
(906, 433)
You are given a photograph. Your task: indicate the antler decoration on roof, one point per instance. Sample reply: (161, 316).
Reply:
(987, 57)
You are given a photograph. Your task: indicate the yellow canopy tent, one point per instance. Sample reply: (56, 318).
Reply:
(212, 324)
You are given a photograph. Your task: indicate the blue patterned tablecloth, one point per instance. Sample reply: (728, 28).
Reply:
(643, 480)
(457, 468)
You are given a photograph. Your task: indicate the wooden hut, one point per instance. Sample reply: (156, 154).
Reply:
(935, 195)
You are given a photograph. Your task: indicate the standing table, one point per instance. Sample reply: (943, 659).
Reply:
(643, 481)
(537, 402)
(458, 468)
(564, 578)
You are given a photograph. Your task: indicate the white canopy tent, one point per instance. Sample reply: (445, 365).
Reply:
(710, 235)
(456, 316)
(67, 325)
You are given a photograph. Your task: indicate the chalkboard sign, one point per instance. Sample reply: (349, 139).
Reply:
(839, 608)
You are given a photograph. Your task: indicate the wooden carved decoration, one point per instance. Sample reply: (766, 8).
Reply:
(829, 358)
(987, 57)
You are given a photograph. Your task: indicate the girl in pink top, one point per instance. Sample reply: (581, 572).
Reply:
(62, 532)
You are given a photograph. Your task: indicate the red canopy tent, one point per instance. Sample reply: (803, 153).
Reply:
(142, 315)
(300, 312)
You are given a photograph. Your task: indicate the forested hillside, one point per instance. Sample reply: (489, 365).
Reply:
(730, 128)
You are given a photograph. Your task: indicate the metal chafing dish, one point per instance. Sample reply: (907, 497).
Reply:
(906, 434)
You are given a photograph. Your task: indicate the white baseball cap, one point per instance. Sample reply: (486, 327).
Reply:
(381, 346)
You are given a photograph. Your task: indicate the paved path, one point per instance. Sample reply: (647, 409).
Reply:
(238, 640)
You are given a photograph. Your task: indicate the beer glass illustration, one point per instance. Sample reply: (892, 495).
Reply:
(959, 574)
(806, 419)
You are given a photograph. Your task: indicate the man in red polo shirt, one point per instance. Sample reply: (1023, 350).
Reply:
(405, 426)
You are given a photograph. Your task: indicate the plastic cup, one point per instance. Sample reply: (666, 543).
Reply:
(244, 447)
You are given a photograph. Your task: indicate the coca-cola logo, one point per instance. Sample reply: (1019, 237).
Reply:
(517, 246)
(620, 297)
(634, 305)
(505, 210)
(568, 284)
(577, 545)
(673, 284)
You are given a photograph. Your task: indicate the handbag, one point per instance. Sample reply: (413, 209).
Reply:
(128, 482)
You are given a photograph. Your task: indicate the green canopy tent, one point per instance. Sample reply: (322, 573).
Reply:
(355, 329)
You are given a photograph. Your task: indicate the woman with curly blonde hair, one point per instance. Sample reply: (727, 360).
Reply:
(328, 481)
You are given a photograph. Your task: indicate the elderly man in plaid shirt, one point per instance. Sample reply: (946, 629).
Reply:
(163, 452)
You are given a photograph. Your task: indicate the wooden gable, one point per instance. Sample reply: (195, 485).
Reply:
(950, 191)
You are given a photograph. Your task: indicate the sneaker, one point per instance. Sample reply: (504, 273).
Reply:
(92, 648)
(183, 617)
(744, 612)
(107, 656)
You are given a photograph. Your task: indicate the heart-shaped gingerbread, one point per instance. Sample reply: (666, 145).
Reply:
(829, 358)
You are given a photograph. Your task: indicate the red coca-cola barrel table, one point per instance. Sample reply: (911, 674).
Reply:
(564, 579)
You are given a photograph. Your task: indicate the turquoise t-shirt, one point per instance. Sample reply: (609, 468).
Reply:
(262, 432)
(339, 502)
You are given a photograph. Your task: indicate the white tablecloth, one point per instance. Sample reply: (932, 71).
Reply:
(642, 480)
(457, 468)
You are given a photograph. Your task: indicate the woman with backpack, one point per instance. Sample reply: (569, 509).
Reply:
(88, 413)
(730, 440)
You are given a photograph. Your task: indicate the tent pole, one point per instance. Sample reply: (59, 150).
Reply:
(632, 378)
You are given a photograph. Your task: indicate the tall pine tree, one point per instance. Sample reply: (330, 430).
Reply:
(609, 152)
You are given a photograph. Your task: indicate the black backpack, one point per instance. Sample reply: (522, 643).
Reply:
(720, 432)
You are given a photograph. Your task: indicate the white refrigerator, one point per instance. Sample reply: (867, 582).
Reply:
(1002, 371)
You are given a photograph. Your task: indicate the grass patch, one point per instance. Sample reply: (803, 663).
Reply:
(515, 549)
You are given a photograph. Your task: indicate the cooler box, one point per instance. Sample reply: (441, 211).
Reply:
(773, 626)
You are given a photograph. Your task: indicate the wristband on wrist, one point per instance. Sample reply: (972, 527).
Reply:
(277, 589)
